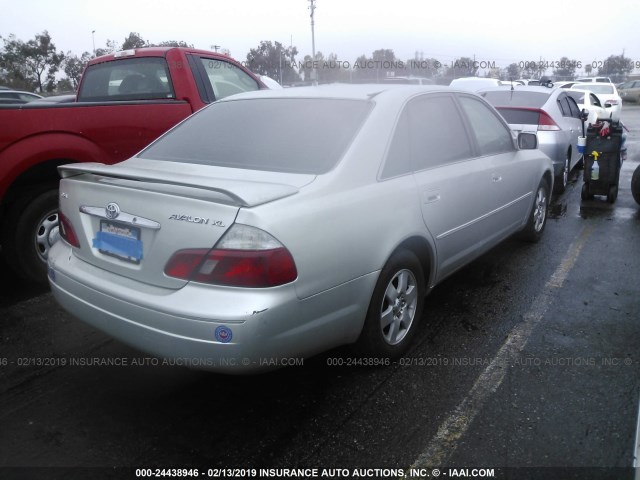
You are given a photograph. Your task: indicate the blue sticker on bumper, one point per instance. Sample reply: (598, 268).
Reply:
(223, 334)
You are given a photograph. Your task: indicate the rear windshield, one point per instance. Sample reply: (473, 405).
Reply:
(517, 98)
(595, 88)
(282, 135)
(519, 117)
(127, 79)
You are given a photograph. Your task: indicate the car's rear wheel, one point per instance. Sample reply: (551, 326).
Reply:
(538, 216)
(396, 307)
(31, 228)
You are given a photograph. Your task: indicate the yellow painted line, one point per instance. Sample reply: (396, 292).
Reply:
(445, 441)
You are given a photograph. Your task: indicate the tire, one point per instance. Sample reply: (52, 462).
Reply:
(395, 309)
(613, 194)
(538, 217)
(635, 185)
(31, 228)
(560, 184)
(584, 194)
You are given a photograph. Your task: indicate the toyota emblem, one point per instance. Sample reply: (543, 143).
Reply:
(112, 210)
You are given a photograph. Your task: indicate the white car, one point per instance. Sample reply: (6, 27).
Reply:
(474, 84)
(590, 101)
(608, 95)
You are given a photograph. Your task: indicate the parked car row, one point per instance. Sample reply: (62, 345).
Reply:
(551, 114)
(555, 114)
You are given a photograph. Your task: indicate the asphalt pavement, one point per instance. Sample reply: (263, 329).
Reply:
(526, 366)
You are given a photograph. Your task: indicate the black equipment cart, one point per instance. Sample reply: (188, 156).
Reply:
(602, 160)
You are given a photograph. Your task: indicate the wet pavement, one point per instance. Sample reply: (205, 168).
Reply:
(527, 359)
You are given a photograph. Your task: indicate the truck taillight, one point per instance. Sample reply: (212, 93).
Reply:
(67, 232)
(244, 257)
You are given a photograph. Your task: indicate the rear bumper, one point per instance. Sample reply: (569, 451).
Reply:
(212, 328)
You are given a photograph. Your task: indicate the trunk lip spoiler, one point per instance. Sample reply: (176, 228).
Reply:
(244, 193)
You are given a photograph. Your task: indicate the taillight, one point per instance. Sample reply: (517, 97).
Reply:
(67, 232)
(244, 257)
(546, 123)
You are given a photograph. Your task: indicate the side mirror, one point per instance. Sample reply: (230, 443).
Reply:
(607, 105)
(584, 114)
(527, 141)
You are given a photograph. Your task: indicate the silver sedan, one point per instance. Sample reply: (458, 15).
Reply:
(549, 112)
(274, 225)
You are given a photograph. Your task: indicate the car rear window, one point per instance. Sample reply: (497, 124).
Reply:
(519, 116)
(144, 78)
(284, 135)
(598, 88)
(516, 98)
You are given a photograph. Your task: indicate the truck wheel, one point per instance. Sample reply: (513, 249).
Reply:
(635, 185)
(395, 309)
(29, 232)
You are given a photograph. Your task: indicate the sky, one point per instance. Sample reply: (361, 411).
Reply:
(499, 31)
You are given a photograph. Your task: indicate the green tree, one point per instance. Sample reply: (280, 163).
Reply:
(134, 40)
(273, 60)
(111, 47)
(31, 65)
(566, 69)
(65, 86)
(513, 72)
(376, 67)
(74, 66)
(172, 43)
(422, 67)
(462, 67)
(617, 67)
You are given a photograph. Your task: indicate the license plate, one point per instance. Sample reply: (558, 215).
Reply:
(120, 241)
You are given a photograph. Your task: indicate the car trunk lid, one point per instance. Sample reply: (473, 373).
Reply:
(130, 220)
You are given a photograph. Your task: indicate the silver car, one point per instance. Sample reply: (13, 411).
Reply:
(274, 225)
(549, 112)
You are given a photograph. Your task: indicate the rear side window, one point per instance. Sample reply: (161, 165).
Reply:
(399, 156)
(564, 106)
(491, 134)
(127, 79)
(438, 135)
(573, 107)
(296, 135)
(226, 79)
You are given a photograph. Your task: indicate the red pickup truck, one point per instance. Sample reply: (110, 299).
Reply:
(124, 101)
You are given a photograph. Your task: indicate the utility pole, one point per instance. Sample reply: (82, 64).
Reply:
(93, 40)
(215, 48)
(314, 73)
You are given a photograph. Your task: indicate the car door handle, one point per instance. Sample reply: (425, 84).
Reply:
(430, 197)
(496, 178)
